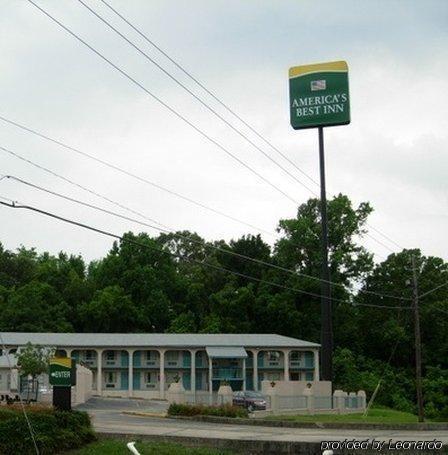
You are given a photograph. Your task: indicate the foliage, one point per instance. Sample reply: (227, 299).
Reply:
(189, 410)
(54, 431)
(435, 387)
(33, 360)
(161, 285)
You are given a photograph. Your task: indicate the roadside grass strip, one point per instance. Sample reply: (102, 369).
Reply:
(119, 447)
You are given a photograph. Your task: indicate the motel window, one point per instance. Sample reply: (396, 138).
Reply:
(151, 357)
(150, 377)
(110, 355)
(89, 355)
(295, 356)
(111, 379)
(172, 358)
(273, 357)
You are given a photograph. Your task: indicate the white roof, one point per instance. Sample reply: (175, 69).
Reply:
(201, 340)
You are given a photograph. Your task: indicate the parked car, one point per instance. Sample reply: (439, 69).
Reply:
(252, 401)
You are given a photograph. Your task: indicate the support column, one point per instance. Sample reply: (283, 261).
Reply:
(69, 352)
(244, 375)
(162, 373)
(210, 382)
(255, 371)
(316, 365)
(130, 372)
(286, 364)
(99, 373)
(193, 374)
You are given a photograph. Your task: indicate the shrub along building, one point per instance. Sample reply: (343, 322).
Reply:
(144, 365)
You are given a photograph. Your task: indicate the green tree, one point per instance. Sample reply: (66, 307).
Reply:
(110, 310)
(35, 307)
(386, 327)
(33, 360)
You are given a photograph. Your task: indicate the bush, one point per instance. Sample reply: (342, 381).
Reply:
(225, 410)
(54, 431)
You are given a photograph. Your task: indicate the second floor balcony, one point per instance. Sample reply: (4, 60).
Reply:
(227, 374)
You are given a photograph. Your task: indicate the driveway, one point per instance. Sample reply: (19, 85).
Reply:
(108, 417)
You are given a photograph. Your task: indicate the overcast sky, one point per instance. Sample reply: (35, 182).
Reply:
(393, 154)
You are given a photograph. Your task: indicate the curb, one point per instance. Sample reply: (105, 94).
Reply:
(321, 425)
(144, 414)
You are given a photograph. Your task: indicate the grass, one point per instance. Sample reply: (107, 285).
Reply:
(376, 415)
(118, 447)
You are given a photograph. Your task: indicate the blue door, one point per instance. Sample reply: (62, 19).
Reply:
(249, 381)
(199, 381)
(309, 359)
(124, 383)
(136, 380)
(186, 381)
(137, 358)
(124, 359)
(186, 358)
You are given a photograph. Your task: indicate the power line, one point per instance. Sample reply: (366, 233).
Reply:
(122, 171)
(172, 110)
(196, 97)
(208, 91)
(135, 176)
(213, 111)
(17, 205)
(164, 104)
(168, 229)
(226, 106)
(432, 290)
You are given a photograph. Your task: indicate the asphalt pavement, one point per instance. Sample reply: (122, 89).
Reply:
(109, 417)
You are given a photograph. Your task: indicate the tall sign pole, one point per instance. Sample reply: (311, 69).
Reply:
(418, 343)
(326, 310)
(319, 97)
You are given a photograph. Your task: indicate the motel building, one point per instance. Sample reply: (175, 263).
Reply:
(144, 365)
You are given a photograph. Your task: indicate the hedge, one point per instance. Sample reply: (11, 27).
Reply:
(54, 431)
(225, 410)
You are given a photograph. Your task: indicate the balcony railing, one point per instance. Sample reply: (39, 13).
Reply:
(227, 373)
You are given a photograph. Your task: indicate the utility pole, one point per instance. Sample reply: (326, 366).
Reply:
(326, 313)
(418, 343)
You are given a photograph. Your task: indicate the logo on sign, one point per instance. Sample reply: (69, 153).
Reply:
(318, 85)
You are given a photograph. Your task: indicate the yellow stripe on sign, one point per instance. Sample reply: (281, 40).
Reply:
(61, 361)
(334, 67)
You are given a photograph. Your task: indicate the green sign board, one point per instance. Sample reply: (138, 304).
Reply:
(319, 95)
(62, 371)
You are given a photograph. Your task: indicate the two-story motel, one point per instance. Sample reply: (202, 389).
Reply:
(144, 365)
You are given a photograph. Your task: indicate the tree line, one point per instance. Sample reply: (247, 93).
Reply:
(179, 282)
